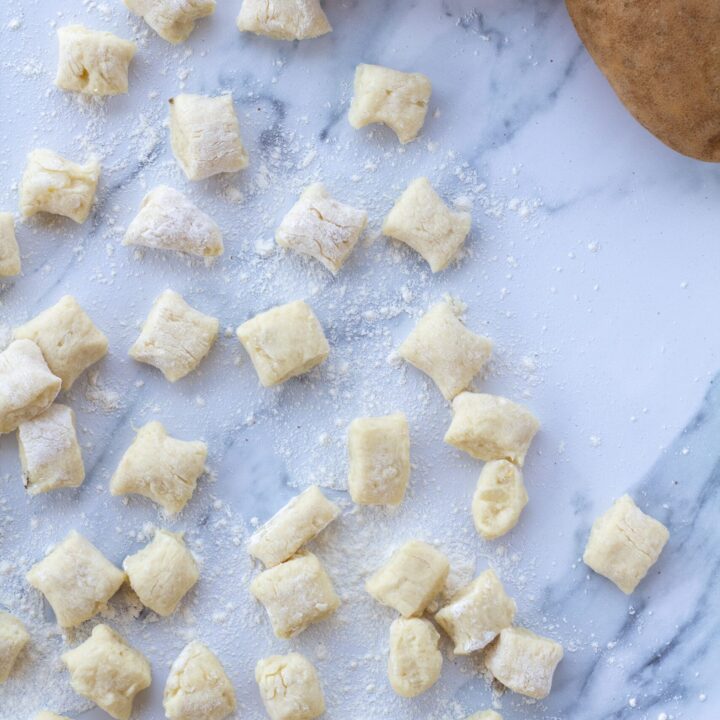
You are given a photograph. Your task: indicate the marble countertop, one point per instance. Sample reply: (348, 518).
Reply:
(592, 263)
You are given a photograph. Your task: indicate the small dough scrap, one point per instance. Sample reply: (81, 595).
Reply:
(13, 638)
(50, 455)
(107, 671)
(169, 221)
(499, 498)
(198, 686)
(393, 98)
(284, 342)
(321, 227)
(175, 337)
(162, 573)
(421, 220)
(27, 387)
(68, 338)
(172, 20)
(9, 250)
(93, 62)
(289, 687)
(415, 661)
(411, 579)
(295, 594)
(205, 135)
(485, 715)
(284, 19)
(294, 525)
(523, 661)
(55, 185)
(624, 544)
(443, 348)
(160, 467)
(477, 613)
(379, 449)
(76, 579)
(45, 715)
(490, 427)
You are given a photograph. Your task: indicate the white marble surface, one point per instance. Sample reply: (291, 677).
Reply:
(592, 264)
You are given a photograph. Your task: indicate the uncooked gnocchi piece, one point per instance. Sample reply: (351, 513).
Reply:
(198, 686)
(175, 337)
(27, 387)
(76, 579)
(289, 687)
(160, 468)
(172, 20)
(55, 185)
(443, 348)
(205, 135)
(393, 98)
(421, 220)
(415, 661)
(411, 579)
(624, 544)
(68, 338)
(93, 62)
(162, 573)
(321, 227)
(50, 455)
(295, 594)
(523, 661)
(499, 498)
(284, 19)
(169, 221)
(294, 525)
(107, 671)
(13, 638)
(379, 449)
(490, 427)
(485, 715)
(284, 342)
(45, 715)
(477, 613)
(9, 250)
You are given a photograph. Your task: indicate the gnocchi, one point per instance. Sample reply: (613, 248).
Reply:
(486, 715)
(13, 638)
(289, 687)
(9, 250)
(175, 337)
(499, 498)
(45, 715)
(283, 19)
(172, 20)
(415, 661)
(421, 220)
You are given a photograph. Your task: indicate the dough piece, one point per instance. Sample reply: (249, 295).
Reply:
(295, 594)
(92, 62)
(13, 638)
(415, 662)
(284, 19)
(485, 715)
(284, 342)
(523, 661)
(27, 387)
(289, 687)
(76, 579)
(162, 572)
(172, 20)
(443, 348)
(160, 467)
(499, 498)
(107, 671)
(68, 338)
(45, 715)
(302, 519)
(379, 449)
(175, 337)
(624, 544)
(58, 186)
(411, 579)
(205, 135)
(198, 686)
(9, 250)
(490, 427)
(393, 98)
(477, 613)
(49, 452)
(169, 221)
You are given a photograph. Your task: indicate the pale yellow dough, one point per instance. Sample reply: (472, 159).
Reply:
(172, 20)
(415, 661)
(13, 638)
(499, 498)
(9, 250)
(283, 19)
(289, 687)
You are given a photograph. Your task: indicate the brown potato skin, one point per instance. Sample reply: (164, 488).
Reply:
(662, 58)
